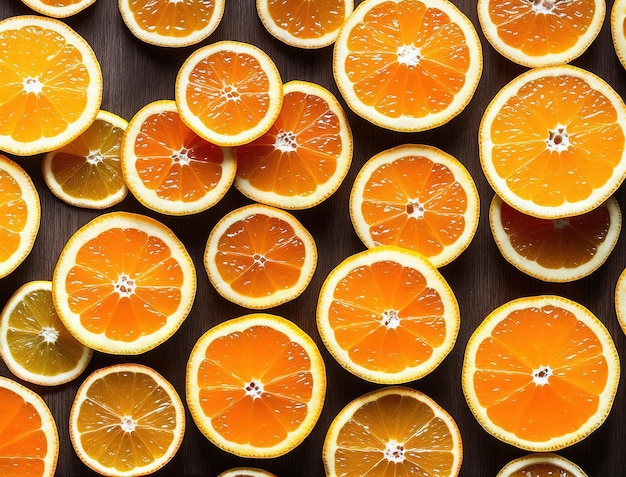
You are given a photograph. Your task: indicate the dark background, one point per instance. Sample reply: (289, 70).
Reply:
(135, 74)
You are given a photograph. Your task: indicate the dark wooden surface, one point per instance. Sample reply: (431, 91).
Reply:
(136, 74)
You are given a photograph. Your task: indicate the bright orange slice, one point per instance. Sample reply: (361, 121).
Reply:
(58, 8)
(541, 465)
(618, 29)
(620, 300)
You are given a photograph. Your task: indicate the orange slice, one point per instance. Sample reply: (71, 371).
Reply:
(393, 429)
(618, 29)
(256, 385)
(229, 92)
(416, 197)
(29, 440)
(258, 257)
(620, 300)
(168, 167)
(50, 87)
(556, 250)
(304, 157)
(58, 8)
(246, 472)
(312, 24)
(34, 343)
(407, 65)
(387, 315)
(552, 142)
(541, 32)
(171, 23)
(126, 420)
(541, 465)
(87, 172)
(123, 283)
(540, 373)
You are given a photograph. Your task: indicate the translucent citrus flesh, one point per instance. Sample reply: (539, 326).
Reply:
(406, 59)
(412, 439)
(387, 317)
(23, 443)
(307, 20)
(527, 348)
(556, 140)
(260, 255)
(255, 386)
(541, 27)
(13, 215)
(560, 243)
(112, 404)
(298, 153)
(541, 470)
(125, 284)
(173, 161)
(175, 19)
(414, 203)
(54, 69)
(89, 166)
(38, 340)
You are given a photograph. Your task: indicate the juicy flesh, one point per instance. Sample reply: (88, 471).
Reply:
(561, 243)
(542, 470)
(406, 59)
(529, 344)
(13, 215)
(172, 18)
(414, 203)
(260, 255)
(524, 152)
(255, 386)
(47, 84)
(298, 153)
(308, 20)
(387, 316)
(125, 284)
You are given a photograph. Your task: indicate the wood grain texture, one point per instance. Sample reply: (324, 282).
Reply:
(136, 74)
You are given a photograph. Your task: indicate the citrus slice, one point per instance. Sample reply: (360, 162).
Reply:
(620, 300)
(542, 32)
(34, 343)
(387, 315)
(126, 420)
(556, 250)
(304, 157)
(416, 197)
(541, 465)
(168, 167)
(618, 29)
(20, 215)
(246, 472)
(256, 385)
(258, 257)
(123, 283)
(540, 373)
(29, 440)
(171, 23)
(87, 172)
(313, 24)
(50, 86)
(552, 142)
(229, 92)
(58, 8)
(394, 427)
(407, 65)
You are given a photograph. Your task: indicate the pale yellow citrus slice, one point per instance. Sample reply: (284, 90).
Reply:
(544, 464)
(58, 8)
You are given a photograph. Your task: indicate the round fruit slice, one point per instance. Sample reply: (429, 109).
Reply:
(416, 197)
(541, 465)
(540, 373)
(126, 420)
(259, 257)
(552, 142)
(168, 167)
(246, 472)
(393, 427)
(58, 8)
(87, 172)
(620, 300)
(29, 440)
(618, 29)
(256, 385)
(407, 65)
(34, 343)
(171, 23)
(20, 215)
(542, 32)
(556, 250)
(313, 24)
(123, 283)
(229, 92)
(50, 87)
(305, 155)
(387, 315)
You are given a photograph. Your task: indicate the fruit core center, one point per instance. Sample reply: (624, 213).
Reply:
(94, 157)
(286, 141)
(409, 55)
(32, 85)
(128, 424)
(558, 139)
(259, 259)
(543, 6)
(49, 334)
(230, 93)
(125, 286)
(541, 375)
(390, 319)
(415, 209)
(255, 389)
(181, 156)
(394, 452)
